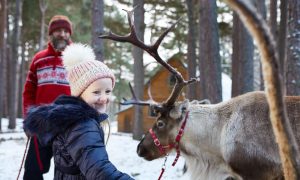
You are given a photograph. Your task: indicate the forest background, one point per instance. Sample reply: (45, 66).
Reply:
(210, 38)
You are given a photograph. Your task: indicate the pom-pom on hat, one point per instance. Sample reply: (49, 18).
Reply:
(82, 68)
(59, 21)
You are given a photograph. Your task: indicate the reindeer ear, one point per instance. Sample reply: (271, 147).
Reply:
(153, 110)
(179, 108)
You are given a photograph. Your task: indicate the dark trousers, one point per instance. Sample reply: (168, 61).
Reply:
(37, 161)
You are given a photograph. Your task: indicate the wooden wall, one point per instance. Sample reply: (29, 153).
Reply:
(160, 90)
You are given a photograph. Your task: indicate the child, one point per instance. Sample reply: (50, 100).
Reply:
(71, 124)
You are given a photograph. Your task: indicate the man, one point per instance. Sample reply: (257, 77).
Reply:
(46, 80)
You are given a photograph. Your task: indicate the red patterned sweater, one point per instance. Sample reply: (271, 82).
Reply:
(46, 79)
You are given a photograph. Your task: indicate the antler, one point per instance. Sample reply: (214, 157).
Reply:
(152, 50)
(136, 101)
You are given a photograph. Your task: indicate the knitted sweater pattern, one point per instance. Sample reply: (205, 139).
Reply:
(46, 79)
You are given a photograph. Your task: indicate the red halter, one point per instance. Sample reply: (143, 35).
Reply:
(162, 149)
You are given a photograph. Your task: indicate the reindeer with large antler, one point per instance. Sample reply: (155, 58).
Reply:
(236, 139)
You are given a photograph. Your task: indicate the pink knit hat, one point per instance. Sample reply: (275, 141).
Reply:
(82, 68)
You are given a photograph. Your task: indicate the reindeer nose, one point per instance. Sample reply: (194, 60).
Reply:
(141, 151)
(138, 149)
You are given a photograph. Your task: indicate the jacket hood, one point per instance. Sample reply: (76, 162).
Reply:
(47, 121)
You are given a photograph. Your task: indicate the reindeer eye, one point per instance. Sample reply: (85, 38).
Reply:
(160, 124)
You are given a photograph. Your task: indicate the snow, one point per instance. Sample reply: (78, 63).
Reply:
(226, 87)
(121, 149)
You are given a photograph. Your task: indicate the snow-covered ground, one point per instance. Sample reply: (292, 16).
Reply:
(121, 149)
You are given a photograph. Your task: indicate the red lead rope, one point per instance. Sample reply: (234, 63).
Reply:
(162, 148)
(25, 151)
(163, 167)
(178, 137)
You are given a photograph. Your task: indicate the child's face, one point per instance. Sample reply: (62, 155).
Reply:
(97, 94)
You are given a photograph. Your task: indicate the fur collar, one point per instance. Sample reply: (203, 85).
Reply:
(46, 121)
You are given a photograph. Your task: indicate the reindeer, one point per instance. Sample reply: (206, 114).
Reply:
(232, 140)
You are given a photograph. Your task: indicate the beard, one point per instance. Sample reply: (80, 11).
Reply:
(59, 43)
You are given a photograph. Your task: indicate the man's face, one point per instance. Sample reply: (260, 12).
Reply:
(60, 39)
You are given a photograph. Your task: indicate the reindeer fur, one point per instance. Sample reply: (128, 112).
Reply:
(287, 144)
(232, 139)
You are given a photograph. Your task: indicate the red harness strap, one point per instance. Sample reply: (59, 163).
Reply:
(163, 149)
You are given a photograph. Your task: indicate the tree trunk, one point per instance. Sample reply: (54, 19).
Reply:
(3, 14)
(7, 58)
(97, 28)
(191, 54)
(281, 42)
(273, 17)
(258, 83)
(21, 80)
(209, 57)
(242, 59)
(43, 8)
(13, 67)
(138, 68)
(293, 48)
(293, 51)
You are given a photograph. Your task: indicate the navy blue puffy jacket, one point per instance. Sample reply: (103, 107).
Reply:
(72, 128)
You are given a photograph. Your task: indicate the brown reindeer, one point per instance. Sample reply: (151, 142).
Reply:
(236, 139)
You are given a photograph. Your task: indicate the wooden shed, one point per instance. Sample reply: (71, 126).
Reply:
(161, 86)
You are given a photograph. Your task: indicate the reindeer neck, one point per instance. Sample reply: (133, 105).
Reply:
(203, 129)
